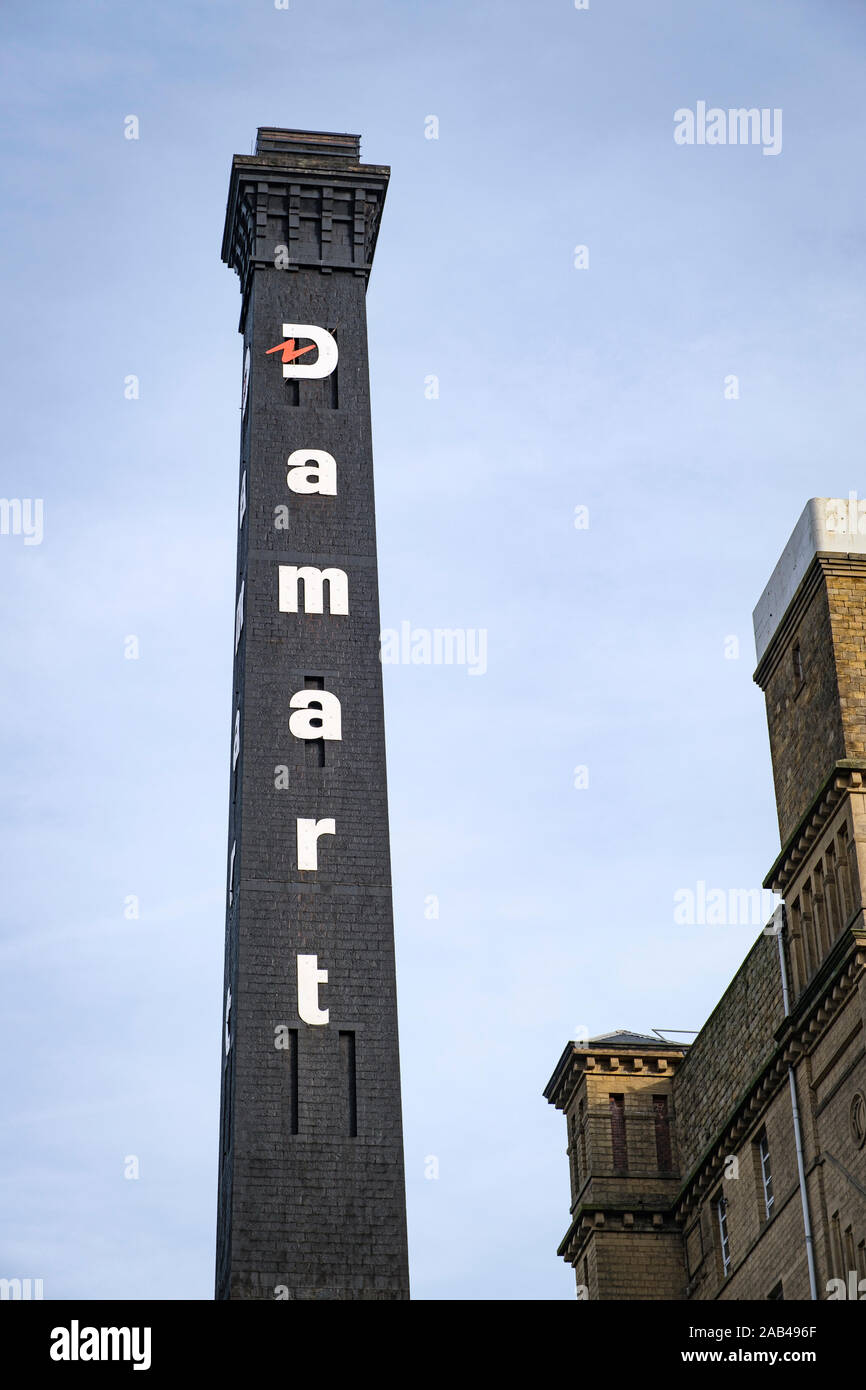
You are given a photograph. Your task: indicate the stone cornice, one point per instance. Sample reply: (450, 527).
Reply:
(295, 192)
(809, 585)
(845, 776)
(798, 1034)
(577, 1060)
(628, 1218)
(824, 565)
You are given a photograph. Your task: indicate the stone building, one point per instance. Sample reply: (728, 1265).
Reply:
(735, 1167)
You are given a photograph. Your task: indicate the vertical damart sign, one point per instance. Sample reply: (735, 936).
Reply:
(311, 1187)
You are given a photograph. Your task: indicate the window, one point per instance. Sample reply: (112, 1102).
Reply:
(836, 1245)
(239, 614)
(573, 1152)
(844, 880)
(823, 933)
(766, 1173)
(776, 1295)
(347, 1059)
(724, 1242)
(835, 910)
(236, 741)
(228, 1078)
(617, 1132)
(663, 1134)
(290, 1052)
(798, 663)
(808, 927)
(236, 752)
(581, 1125)
(795, 939)
(315, 747)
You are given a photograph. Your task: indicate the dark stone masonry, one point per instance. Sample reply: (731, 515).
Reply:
(311, 1183)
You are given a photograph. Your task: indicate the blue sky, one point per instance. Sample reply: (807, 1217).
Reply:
(559, 387)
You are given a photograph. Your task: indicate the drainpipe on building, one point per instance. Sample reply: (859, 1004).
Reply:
(780, 922)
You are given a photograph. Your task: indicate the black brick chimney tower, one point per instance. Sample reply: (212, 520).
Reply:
(311, 1184)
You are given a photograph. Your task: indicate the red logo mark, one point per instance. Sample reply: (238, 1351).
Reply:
(289, 351)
